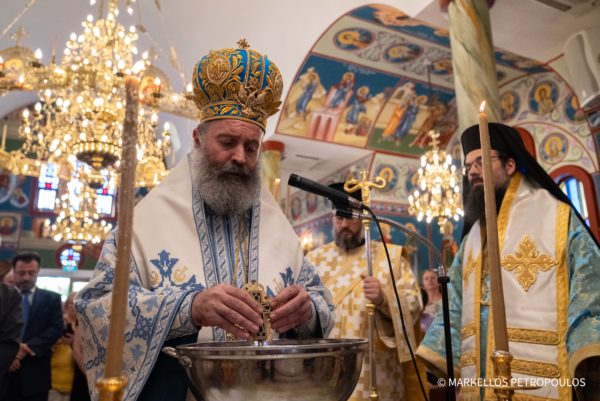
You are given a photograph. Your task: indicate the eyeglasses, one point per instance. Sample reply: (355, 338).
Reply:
(478, 162)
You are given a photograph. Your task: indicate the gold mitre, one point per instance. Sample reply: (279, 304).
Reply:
(238, 83)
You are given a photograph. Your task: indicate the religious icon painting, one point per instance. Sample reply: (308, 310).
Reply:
(306, 95)
(19, 198)
(397, 171)
(358, 117)
(543, 97)
(594, 119)
(296, 208)
(554, 148)
(8, 183)
(402, 53)
(10, 229)
(149, 90)
(572, 110)
(389, 16)
(390, 174)
(442, 67)
(520, 63)
(510, 103)
(500, 75)
(408, 116)
(351, 39)
(16, 59)
(312, 201)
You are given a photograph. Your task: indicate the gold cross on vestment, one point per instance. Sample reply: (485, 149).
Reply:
(527, 262)
(468, 269)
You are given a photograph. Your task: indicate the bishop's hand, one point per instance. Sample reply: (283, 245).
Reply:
(228, 307)
(292, 307)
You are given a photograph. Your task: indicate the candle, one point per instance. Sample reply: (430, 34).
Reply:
(114, 354)
(276, 189)
(4, 131)
(287, 200)
(491, 225)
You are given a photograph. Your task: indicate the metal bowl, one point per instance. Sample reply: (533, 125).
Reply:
(291, 370)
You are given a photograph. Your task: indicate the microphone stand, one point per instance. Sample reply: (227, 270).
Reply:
(443, 280)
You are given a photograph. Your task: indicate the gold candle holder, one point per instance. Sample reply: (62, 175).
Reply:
(111, 388)
(502, 382)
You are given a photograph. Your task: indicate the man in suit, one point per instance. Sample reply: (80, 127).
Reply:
(11, 325)
(29, 379)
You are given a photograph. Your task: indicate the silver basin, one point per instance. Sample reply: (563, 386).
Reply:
(281, 370)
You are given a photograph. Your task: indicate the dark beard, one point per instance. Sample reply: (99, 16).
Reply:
(475, 203)
(347, 243)
(227, 189)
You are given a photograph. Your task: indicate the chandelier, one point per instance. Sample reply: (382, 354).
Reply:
(438, 192)
(78, 221)
(80, 114)
(82, 104)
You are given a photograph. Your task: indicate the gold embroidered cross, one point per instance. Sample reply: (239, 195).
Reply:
(527, 262)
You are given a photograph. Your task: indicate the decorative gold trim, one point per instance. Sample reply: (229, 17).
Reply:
(535, 368)
(529, 397)
(468, 330)
(562, 294)
(527, 262)
(507, 202)
(582, 354)
(262, 126)
(477, 309)
(533, 336)
(468, 358)
(468, 268)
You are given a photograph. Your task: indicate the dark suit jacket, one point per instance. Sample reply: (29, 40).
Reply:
(11, 323)
(44, 326)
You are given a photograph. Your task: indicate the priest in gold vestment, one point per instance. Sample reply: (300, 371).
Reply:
(550, 267)
(342, 266)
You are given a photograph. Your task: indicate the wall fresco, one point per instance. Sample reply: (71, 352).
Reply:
(546, 106)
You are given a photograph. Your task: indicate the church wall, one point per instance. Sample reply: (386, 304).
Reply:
(387, 52)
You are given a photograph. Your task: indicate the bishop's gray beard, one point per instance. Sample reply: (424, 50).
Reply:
(227, 189)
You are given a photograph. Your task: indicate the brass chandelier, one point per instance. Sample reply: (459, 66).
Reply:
(84, 116)
(80, 114)
(438, 192)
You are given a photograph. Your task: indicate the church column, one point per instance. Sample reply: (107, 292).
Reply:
(473, 59)
(271, 154)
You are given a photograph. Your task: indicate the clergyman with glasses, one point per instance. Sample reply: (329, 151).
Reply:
(550, 271)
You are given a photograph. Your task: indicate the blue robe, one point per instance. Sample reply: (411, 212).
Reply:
(583, 261)
(179, 248)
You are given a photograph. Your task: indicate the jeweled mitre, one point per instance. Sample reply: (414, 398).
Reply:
(237, 84)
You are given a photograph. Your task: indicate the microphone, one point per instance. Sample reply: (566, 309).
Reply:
(340, 199)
